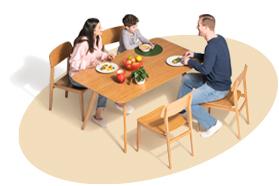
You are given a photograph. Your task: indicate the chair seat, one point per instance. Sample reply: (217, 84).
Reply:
(226, 102)
(154, 121)
(65, 84)
(63, 81)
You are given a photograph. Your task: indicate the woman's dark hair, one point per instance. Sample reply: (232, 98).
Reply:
(130, 20)
(88, 32)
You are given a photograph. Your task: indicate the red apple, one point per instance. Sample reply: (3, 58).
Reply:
(120, 75)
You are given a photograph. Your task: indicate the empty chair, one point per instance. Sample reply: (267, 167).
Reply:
(166, 119)
(57, 55)
(232, 101)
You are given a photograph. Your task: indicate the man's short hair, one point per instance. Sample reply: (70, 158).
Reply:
(130, 20)
(208, 20)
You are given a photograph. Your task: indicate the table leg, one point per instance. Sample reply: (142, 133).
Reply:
(89, 109)
(125, 129)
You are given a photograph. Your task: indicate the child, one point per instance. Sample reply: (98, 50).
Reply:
(130, 36)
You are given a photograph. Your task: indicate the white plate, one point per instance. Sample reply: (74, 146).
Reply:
(170, 61)
(107, 67)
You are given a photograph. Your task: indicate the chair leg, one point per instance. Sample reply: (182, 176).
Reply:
(247, 110)
(169, 154)
(238, 125)
(50, 97)
(191, 140)
(66, 94)
(138, 136)
(81, 107)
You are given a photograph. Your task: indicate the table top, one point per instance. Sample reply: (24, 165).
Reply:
(157, 68)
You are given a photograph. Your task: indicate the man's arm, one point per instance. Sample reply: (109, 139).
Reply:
(199, 56)
(209, 61)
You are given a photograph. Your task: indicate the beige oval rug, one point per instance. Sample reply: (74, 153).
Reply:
(53, 141)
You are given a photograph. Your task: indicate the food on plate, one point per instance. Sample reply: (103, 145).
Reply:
(176, 60)
(107, 67)
(145, 47)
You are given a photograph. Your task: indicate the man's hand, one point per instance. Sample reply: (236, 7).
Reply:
(185, 60)
(189, 54)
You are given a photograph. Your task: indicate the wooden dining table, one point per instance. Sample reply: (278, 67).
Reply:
(122, 93)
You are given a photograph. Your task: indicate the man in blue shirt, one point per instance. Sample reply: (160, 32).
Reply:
(214, 78)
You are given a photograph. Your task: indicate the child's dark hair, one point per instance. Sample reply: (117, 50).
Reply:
(130, 20)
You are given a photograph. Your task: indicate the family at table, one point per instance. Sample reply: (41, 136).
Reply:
(212, 82)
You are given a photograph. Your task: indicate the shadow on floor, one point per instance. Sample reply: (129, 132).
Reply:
(33, 76)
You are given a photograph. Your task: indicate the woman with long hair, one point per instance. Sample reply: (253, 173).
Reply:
(88, 53)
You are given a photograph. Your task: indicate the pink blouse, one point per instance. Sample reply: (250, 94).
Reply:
(81, 58)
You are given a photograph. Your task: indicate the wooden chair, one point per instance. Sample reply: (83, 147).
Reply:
(166, 119)
(232, 101)
(57, 55)
(111, 35)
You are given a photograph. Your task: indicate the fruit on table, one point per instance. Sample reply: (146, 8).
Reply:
(138, 58)
(133, 63)
(120, 75)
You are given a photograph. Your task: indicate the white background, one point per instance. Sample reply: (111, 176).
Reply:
(30, 29)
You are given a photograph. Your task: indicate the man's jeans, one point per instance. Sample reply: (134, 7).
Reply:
(101, 102)
(201, 93)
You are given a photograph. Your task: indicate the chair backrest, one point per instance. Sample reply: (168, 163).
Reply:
(176, 107)
(60, 53)
(240, 79)
(57, 55)
(111, 35)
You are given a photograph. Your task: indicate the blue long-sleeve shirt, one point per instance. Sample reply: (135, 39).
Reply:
(216, 64)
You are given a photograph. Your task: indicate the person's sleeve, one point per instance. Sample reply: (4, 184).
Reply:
(142, 38)
(104, 56)
(209, 61)
(199, 56)
(126, 41)
(77, 56)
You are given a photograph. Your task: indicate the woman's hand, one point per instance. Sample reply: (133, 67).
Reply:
(110, 57)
